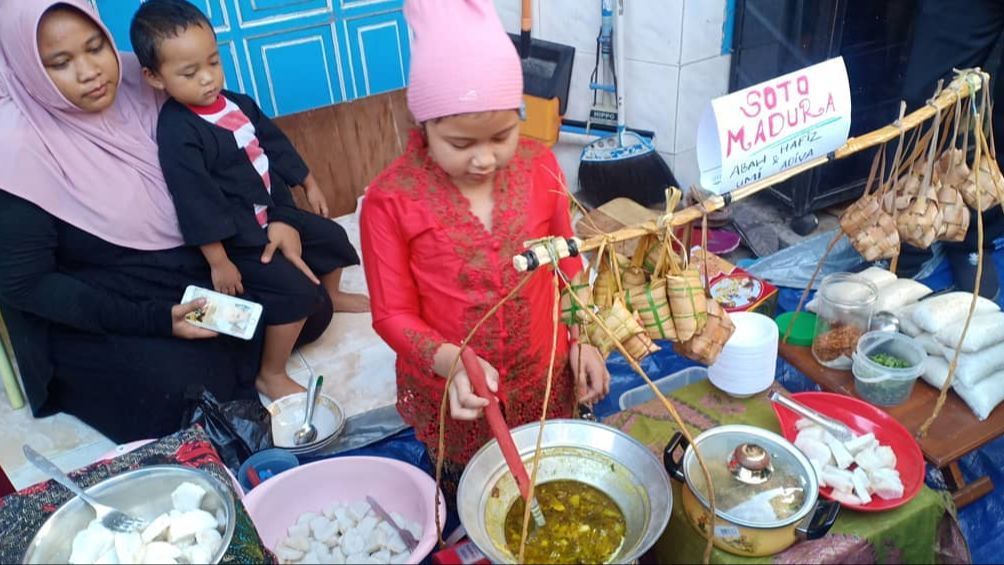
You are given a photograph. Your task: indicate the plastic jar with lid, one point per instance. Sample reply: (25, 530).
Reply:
(844, 307)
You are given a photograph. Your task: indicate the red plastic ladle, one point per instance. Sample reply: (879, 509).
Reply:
(500, 430)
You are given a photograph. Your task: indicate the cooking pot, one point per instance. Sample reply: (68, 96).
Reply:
(588, 452)
(766, 491)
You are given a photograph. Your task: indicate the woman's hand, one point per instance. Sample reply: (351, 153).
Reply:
(286, 239)
(180, 326)
(464, 403)
(592, 380)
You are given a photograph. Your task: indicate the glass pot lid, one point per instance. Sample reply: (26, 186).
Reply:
(760, 479)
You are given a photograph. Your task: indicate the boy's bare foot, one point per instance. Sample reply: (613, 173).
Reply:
(277, 386)
(348, 302)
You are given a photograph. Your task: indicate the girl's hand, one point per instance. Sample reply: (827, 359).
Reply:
(592, 380)
(286, 239)
(180, 326)
(318, 203)
(227, 278)
(464, 403)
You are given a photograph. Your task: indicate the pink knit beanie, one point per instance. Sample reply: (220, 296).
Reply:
(462, 61)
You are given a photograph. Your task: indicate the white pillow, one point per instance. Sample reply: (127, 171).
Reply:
(906, 323)
(899, 293)
(984, 330)
(878, 276)
(974, 367)
(933, 314)
(927, 341)
(982, 398)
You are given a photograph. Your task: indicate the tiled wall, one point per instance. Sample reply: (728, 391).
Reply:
(674, 67)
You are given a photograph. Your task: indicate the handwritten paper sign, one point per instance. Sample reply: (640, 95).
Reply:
(772, 126)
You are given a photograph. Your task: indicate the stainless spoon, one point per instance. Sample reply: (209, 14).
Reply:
(111, 518)
(307, 432)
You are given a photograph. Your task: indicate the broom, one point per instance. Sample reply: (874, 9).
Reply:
(624, 164)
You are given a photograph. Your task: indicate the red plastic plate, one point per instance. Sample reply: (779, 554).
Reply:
(863, 418)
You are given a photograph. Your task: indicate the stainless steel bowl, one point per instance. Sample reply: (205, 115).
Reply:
(288, 412)
(145, 493)
(592, 453)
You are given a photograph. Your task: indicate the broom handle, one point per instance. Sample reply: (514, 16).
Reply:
(525, 24)
(619, 70)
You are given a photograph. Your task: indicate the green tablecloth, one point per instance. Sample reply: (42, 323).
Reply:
(924, 530)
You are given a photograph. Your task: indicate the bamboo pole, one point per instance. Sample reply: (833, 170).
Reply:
(960, 87)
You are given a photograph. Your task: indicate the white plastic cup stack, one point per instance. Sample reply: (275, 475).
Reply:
(747, 362)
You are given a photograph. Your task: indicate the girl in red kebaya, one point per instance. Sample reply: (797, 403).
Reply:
(439, 229)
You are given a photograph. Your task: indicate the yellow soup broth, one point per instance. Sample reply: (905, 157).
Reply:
(583, 525)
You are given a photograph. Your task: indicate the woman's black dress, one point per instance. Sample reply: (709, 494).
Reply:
(90, 324)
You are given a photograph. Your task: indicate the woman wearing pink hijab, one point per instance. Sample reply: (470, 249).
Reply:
(93, 263)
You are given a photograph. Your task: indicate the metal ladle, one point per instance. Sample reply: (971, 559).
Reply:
(307, 432)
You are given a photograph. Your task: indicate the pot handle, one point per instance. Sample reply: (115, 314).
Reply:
(672, 465)
(816, 524)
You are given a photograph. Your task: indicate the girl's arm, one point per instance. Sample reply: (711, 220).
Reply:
(393, 293)
(30, 280)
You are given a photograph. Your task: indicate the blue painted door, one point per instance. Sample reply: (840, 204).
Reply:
(295, 55)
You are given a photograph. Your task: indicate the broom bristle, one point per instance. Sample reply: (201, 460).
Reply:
(642, 178)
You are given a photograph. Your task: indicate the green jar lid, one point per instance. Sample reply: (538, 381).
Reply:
(802, 331)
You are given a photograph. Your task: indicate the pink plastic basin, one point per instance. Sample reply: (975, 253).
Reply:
(276, 504)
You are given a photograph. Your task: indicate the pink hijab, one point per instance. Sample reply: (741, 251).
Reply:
(98, 172)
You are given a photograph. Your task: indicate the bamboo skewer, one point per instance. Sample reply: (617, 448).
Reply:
(960, 88)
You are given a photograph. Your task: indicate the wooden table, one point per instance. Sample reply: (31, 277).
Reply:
(954, 434)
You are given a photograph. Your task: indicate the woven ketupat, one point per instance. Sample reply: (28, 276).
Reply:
(571, 312)
(655, 252)
(870, 229)
(991, 183)
(604, 288)
(707, 345)
(652, 306)
(954, 214)
(919, 218)
(954, 172)
(640, 346)
(621, 323)
(633, 277)
(687, 302)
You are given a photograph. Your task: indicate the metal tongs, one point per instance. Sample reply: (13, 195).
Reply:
(501, 431)
(837, 429)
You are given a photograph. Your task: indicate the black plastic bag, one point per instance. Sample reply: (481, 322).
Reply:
(238, 428)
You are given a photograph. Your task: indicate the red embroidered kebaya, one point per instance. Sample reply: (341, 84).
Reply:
(433, 271)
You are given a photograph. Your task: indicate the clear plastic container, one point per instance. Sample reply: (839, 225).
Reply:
(882, 385)
(844, 308)
(666, 385)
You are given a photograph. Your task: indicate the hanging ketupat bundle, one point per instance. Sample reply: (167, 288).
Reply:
(633, 280)
(920, 218)
(707, 345)
(870, 229)
(687, 303)
(990, 178)
(652, 306)
(952, 171)
(571, 312)
(621, 323)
